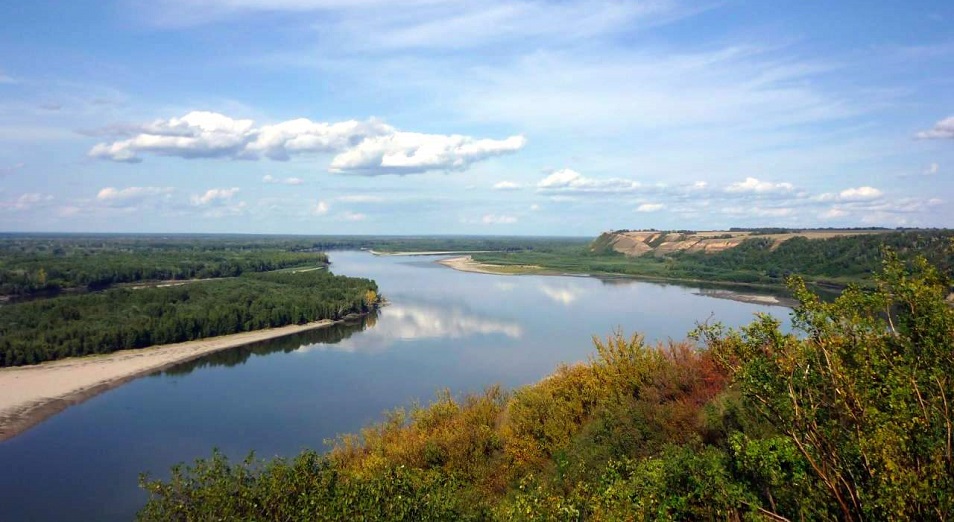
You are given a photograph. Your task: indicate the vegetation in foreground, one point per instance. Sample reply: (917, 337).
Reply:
(849, 417)
(830, 262)
(119, 318)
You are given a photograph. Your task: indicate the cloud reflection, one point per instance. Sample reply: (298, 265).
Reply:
(402, 322)
(564, 295)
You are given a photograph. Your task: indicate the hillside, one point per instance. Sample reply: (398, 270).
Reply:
(764, 257)
(641, 242)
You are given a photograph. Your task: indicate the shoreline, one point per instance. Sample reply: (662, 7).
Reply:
(467, 264)
(32, 394)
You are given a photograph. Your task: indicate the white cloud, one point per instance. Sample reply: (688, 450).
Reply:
(26, 201)
(507, 185)
(112, 195)
(412, 152)
(570, 181)
(271, 180)
(370, 147)
(943, 129)
(213, 196)
(534, 207)
(754, 185)
(834, 213)
(494, 219)
(650, 207)
(321, 208)
(298, 136)
(931, 169)
(860, 194)
(198, 134)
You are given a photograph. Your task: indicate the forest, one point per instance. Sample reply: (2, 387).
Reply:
(848, 416)
(119, 318)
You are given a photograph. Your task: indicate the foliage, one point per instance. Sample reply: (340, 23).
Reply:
(848, 417)
(120, 318)
(865, 395)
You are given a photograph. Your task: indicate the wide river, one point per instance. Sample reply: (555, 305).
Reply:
(443, 329)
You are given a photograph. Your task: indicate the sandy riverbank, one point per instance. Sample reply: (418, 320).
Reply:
(31, 394)
(467, 264)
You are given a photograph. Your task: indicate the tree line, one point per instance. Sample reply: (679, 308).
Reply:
(45, 269)
(120, 318)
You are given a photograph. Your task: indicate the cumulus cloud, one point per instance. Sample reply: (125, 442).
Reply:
(570, 181)
(860, 194)
(412, 152)
(198, 134)
(272, 180)
(507, 185)
(26, 201)
(321, 208)
(213, 196)
(495, 219)
(943, 129)
(112, 195)
(756, 186)
(650, 207)
(364, 147)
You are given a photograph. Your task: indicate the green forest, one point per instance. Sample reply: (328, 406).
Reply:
(36, 266)
(833, 262)
(846, 417)
(120, 318)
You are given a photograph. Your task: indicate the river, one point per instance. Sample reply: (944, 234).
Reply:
(443, 329)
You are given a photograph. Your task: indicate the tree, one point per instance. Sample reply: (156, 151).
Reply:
(863, 389)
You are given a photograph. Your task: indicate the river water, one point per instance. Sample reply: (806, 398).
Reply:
(443, 329)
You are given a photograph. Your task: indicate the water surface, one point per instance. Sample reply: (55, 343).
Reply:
(443, 329)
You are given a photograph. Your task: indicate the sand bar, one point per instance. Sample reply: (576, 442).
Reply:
(31, 394)
(467, 264)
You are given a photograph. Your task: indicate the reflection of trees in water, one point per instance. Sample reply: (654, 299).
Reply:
(287, 344)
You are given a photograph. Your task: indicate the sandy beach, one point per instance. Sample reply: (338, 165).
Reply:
(31, 394)
(467, 264)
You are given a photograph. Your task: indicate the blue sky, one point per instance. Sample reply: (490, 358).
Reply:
(559, 117)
